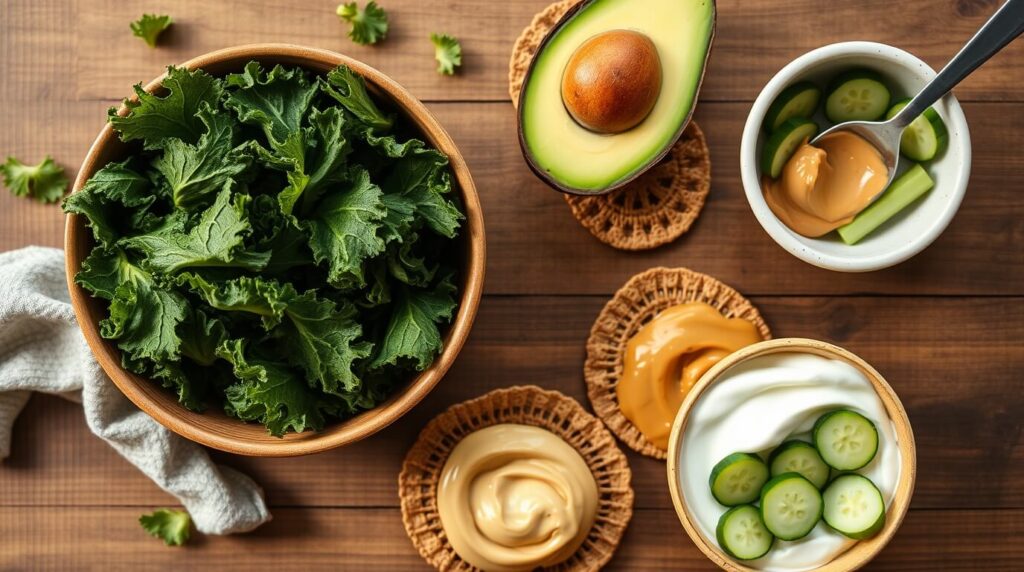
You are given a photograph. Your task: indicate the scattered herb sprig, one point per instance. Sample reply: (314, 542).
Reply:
(368, 25)
(150, 26)
(45, 182)
(447, 52)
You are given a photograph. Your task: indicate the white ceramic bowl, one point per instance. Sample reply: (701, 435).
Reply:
(910, 231)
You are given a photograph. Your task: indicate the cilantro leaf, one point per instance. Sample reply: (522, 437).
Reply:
(349, 89)
(269, 392)
(369, 25)
(447, 52)
(171, 526)
(276, 101)
(343, 232)
(44, 182)
(194, 172)
(412, 333)
(322, 341)
(150, 26)
(215, 241)
(155, 119)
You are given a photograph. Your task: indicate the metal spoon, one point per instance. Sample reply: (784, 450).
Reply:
(1005, 25)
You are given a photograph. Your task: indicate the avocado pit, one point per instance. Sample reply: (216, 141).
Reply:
(612, 81)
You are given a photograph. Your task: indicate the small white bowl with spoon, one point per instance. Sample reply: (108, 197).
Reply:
(894, 71)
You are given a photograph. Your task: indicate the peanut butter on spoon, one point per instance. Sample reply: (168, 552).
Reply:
(822, 187)
(667, 357)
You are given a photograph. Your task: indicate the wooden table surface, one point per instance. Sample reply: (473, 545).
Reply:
(945, 328)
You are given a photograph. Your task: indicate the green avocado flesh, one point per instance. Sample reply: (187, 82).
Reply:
(578, 160)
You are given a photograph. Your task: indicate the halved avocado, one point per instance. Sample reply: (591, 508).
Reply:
(579, 159)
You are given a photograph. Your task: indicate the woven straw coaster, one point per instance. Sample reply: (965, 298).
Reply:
(642, 298)
(658, 207)
(527, 405)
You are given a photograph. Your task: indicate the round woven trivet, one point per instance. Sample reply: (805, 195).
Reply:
(656, 208)
(527, 405)
(642, 298)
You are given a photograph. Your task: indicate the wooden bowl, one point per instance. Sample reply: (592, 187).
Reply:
(214, 428)
(863, 551)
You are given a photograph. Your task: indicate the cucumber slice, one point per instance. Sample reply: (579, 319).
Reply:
(738, 478)
(854, 506)
(906, 189)
(790, 506)
(798, 100)
(741, 533)
(925, 137)
(857, 95)
(799, 457)
(784, 142)
(845, 439)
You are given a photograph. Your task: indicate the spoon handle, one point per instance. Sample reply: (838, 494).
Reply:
(1005, 25)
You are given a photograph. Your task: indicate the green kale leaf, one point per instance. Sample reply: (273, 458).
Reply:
(322, 341)
(447, 52)
(107, 196)
(412, 333)
(368, 26)
(215, 241)
(155, 119)
(264, 298)
(44, 182)
(144, 317)
(350, 90)
(276, 101)
(171, 526)
(150, 26)
(269, 392)
(343, 232)
(196, 172)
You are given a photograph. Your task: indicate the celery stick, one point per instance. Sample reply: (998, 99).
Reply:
(907, 188)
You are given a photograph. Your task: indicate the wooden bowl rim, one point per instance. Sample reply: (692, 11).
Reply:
(171, 414)
(863, 551)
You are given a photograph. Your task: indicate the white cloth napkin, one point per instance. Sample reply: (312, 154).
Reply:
(42, 349)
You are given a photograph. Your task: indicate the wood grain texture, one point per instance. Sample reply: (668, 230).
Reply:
(944, 328)
(108, 538)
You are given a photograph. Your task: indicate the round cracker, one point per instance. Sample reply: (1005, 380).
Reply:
(658, 207)
(642, 298)
(528, 405)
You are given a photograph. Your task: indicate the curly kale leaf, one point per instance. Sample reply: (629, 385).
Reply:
(369, 25)
(171, 526)
(150, 26)
(45, 182)
(276, 101)
(155, 119)
(447, 52)
(349, 89)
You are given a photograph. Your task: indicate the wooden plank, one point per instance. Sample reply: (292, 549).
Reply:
(979, 254)
(955, 362)
(754, 40)
(109, 538)
(38, 42)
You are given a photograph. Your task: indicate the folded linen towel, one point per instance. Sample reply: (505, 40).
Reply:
(42, 349)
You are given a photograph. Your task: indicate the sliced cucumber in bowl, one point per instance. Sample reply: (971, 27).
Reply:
(737, 479)
(857, 95)
(799, 457)
(845, 439)
(783, 142)
(854, 506)
(925, 138)
(741, 533)
(798, 100)
(791, 506)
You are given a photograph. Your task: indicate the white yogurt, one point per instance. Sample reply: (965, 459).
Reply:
(757, 405)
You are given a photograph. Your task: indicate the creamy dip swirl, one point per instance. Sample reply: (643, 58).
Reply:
(757, 405)
(515, 497)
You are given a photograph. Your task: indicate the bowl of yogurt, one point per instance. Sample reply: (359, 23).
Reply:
(775, 393)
